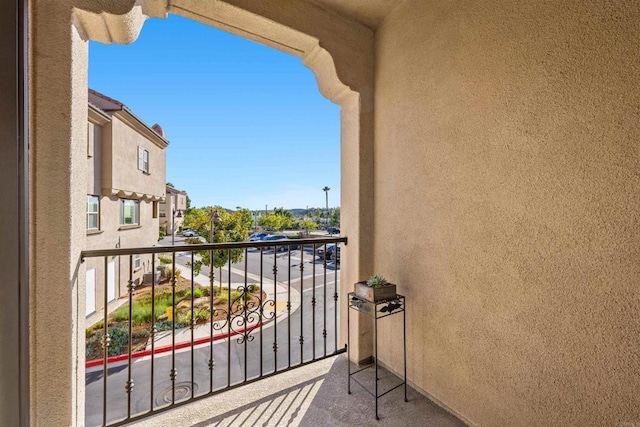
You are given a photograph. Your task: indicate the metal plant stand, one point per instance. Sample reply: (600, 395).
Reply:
(377, 310)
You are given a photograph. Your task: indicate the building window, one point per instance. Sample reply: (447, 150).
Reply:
(129, 212)
(136, 262)
(143, 160)
(155, 209)
(90, 137)
(93, 213)
(163, 214)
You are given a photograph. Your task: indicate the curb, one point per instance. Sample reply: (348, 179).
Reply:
(97, 362)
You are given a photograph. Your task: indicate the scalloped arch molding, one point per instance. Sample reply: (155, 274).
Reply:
(120, 21)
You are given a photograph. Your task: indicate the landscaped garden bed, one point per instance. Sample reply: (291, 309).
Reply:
(142, 316)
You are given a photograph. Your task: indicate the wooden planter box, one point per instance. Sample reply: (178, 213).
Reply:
(387, 291)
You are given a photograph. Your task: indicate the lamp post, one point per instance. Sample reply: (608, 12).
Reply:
(174, 214)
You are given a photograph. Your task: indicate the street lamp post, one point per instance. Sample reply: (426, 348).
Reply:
(174, 215)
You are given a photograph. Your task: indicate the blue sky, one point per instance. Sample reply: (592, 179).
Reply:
(246, 123)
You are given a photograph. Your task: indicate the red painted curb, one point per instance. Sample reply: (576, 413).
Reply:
(165, 348)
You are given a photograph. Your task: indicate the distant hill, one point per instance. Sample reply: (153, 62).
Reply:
(298, 212)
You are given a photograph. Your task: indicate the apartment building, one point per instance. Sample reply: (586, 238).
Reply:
(174, 204)
(125, 184)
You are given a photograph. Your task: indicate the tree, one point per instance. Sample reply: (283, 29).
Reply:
(326, 193)
(170, 184)
(188, 203)
(197, 220)
(334, 219)
(278, 220)
(283, 212)
(308, 224)
(232, 227)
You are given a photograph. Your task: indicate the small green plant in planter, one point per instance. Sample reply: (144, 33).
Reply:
(377, 288)
(376, 281)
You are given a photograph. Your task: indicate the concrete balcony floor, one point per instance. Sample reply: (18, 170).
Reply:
(314, 395)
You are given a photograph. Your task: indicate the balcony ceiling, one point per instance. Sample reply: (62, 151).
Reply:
(369, 12)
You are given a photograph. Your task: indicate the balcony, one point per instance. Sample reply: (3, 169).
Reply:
(254, 341)
(265, 308)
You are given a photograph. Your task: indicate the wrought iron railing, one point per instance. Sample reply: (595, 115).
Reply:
(249, 322)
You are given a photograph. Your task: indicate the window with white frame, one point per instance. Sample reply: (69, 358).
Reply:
(136, 262)
(143, 159)
(93, 213)
(129, 212)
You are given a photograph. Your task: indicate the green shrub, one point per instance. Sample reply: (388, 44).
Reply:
(169, 272)
(236, 296)
(141, 312)
(119, 340)
(254, 287)
(193, 241)
(165, 259)
(202, 315)
(165, 325)
(94, 328)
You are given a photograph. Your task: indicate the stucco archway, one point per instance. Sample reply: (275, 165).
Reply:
(339, 52)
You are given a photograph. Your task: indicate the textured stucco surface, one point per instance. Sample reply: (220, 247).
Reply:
(369, 12)
(507, 205)
(58, 152)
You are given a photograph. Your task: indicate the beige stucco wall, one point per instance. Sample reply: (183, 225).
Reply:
(507, 204)
(112, 165)
(57, 205)
(123, 163)
(112, 235)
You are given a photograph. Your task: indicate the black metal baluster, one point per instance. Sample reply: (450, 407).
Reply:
(335, 298)
(275, 311)
(193, 325)
(229, 319)
(245, 312)
(212, 313)
(301, 304)
(129, 385)
(106, 343)
(404, 344)
(324, 301)
(348, 345)
(313, 302)
(289, 307)
(153, 331)
(375, 351)
(173, 373)
(261, 308)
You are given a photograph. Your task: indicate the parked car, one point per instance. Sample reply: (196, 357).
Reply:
(256, 237)
(333, 230)
(189, 233)
(335, 255)
(320, 251)
(279, 238)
